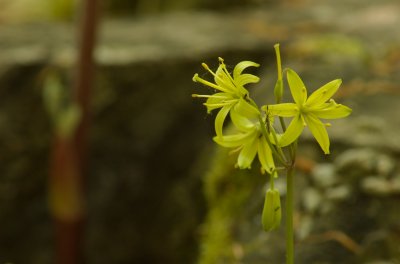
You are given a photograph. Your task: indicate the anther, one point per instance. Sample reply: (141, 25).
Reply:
(205, 66)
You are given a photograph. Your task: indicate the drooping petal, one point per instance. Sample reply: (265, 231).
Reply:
(233, 141)
(323, 94)
(332, 111)
(297, 87)
(284, 109)
(246, 109)
(265, 155)
(293, 131)
(248, 153)
(220, 118)
(240, 121)
(318, 130)
(246, 78)
(241, 66)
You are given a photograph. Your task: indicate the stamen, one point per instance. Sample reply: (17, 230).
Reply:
(209, 95)
(205, 66)
(195, 77)
(233, 151)
(304, 121)
(216, 105)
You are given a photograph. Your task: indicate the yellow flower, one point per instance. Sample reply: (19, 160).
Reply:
(308, 110)
(230, 89)
(248, 140)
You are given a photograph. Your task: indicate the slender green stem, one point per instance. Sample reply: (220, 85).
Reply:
(289, 216)
(281, 158)
(271, 180)
(278, 61)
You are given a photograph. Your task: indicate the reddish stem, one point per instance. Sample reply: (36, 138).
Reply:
(68, 162)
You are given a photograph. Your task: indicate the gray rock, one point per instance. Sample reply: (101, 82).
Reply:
(311, 199)
(363, 161)
(339, 193)
(324, 175)
(375, 185)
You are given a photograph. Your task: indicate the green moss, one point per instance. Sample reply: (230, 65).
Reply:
(227, 191)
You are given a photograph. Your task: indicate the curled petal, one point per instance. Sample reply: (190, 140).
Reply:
(241, 66)
(293, 131)
(265, 156)
(318, 130)
(220, 118)
(332, 111)
(297, 87)
(246, 109)
(248, 153)
(240, 121)
(246, 78)
(233, 141)
(284, 109)
(323, 94)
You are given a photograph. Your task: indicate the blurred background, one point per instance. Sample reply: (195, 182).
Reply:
(145, 183)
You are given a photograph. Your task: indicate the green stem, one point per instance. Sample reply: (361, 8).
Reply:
(264, 131)
(278, 61)
(289, 215)
(271, 180)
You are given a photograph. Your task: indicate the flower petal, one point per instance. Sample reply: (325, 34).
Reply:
(284, 110)
(233, 141)
(241, 66)
(246, 109)
(215, 100)
(240, 121)
(246, 78)
(248, 153)
(318, 130)
(332, 111)
(220, 118)
(265, 155)
(293, 131)
(323, 94)
(297, 87)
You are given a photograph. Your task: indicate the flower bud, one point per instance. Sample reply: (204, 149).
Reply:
(272, 213)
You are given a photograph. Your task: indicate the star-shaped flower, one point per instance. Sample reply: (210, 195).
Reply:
(248, 140)
(230, 89)
(307, 111)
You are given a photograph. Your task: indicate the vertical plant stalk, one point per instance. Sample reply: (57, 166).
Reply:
(87, 29)
(68, 161)
(289, 215)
